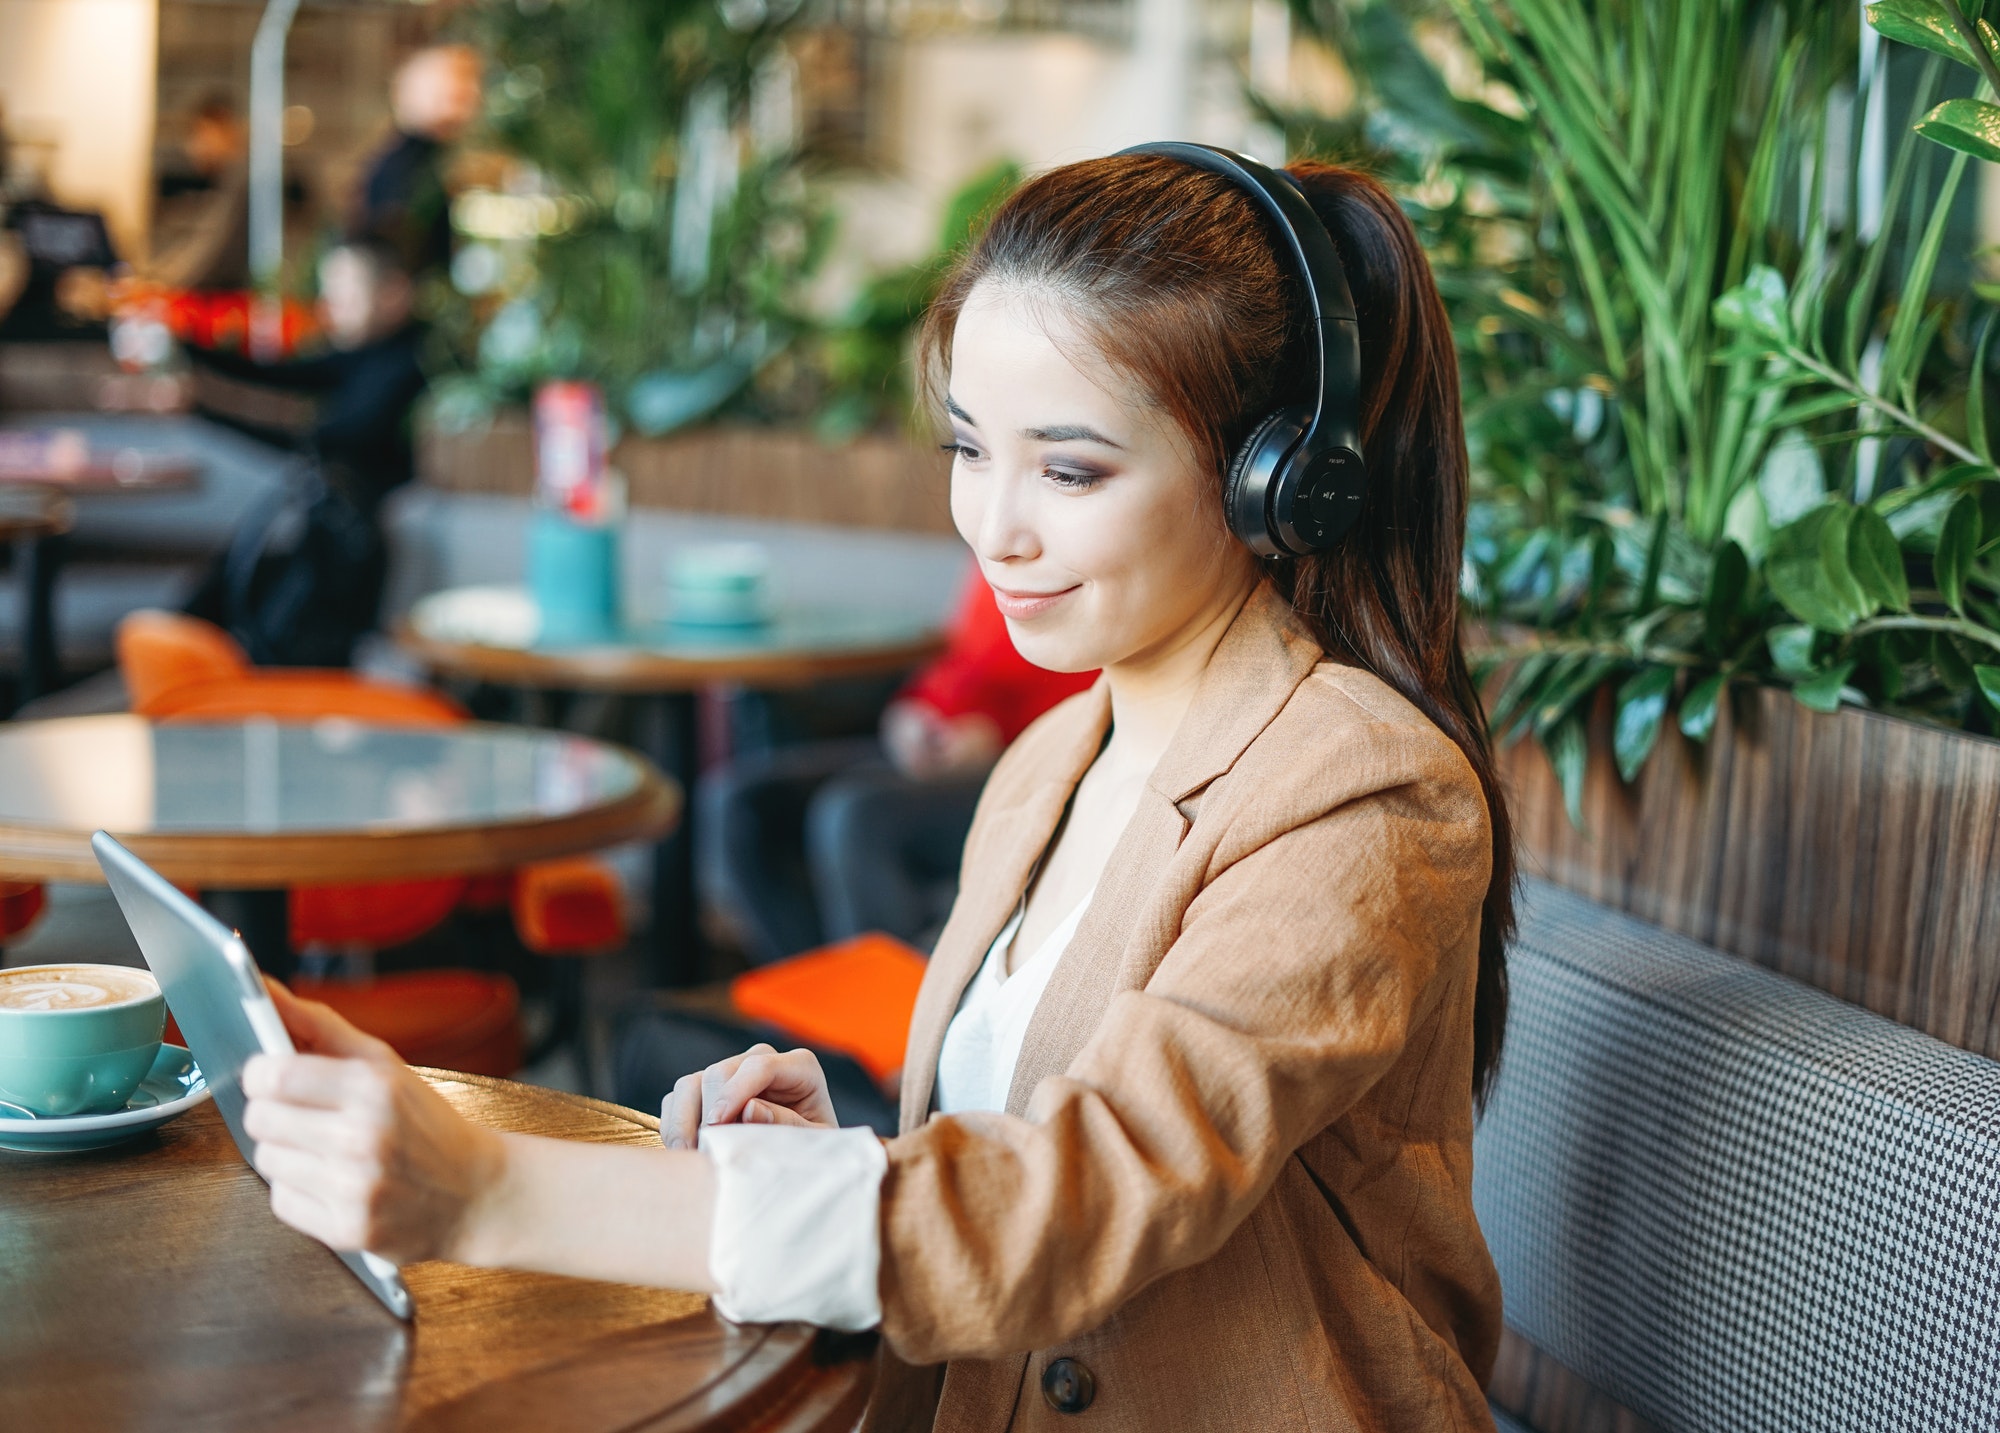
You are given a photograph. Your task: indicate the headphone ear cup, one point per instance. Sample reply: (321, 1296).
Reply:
(1246, 490)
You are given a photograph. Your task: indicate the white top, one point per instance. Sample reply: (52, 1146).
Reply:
(797, 1211)
(983, 1042)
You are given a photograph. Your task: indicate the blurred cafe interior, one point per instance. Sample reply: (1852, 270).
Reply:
(902, 714)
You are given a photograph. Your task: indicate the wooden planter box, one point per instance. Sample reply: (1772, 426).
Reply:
(1856, 852)
(872, 482)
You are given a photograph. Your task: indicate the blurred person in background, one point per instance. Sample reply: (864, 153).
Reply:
(201, 235)
(308, 603)
(404, 201)
(369, 378)
(822, 841)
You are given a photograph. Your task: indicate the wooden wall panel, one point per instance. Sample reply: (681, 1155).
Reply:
(1857, 852)
(879, 482)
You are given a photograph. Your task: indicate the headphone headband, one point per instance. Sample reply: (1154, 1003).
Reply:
(1316, 262)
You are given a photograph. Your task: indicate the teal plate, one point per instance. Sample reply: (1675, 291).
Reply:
(171, 1088)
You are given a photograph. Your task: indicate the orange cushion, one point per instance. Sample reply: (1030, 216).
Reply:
(378, 916)
(304, 695)
(854, 997)
(572, 907)
(20, 903)
(453, 1019)
(160, 651)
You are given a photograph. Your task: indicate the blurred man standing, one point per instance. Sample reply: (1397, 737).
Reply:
(201, 238)
(403, 201)
(311, 596)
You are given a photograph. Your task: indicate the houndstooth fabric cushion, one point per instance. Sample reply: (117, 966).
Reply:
(1735, 1203)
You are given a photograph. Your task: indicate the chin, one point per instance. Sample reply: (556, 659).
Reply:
(1057, 649)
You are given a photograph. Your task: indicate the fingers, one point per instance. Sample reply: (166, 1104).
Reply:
(296, 1206)
(763, 1112)
(759, 1086)
(726, 1084)
(680, 1114)
(321, 1131)
(319, 1081)
(320, 1030)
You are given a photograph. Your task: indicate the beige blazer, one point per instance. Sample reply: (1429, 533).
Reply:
(1233, 1182)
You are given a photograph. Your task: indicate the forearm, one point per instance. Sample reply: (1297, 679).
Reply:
(595, 1211)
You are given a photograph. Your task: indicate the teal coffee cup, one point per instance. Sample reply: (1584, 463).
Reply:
(77, 1039)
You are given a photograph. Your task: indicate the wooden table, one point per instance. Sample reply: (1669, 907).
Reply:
(149, 1285)
(30, 461)
(666, 666)
(245, 810)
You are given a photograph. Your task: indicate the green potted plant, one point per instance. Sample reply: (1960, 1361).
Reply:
(1734, 551)
(1665, 335)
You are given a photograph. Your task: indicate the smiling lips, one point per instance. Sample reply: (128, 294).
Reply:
(1020, 606)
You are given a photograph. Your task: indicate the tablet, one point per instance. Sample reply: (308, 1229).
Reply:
(218, 999)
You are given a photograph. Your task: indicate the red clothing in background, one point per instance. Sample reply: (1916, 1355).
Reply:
(981, 672)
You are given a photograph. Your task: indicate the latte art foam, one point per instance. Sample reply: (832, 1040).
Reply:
(72, 987)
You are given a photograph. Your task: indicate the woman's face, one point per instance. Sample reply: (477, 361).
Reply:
(1089, 512)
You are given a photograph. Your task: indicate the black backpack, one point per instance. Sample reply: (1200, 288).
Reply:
(302, 579)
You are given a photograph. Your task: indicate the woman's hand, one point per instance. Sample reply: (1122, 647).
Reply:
(759, 1086)
(923, 744)
(360, 1153)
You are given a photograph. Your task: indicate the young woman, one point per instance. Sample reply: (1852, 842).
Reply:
(1187, 1115)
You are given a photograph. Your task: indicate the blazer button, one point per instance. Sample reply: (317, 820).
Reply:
(1068, 1386)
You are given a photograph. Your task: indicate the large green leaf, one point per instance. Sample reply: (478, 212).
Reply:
(1791, 649)
(1876, 559)
(1792, 481)
(1925, 24)
(1957, 549)
(1989, 684)
(1747, 524)
(1808, 569)
(1518, 694)
(1728, 578)
(1699, 707)
(1757, 306)
(1970, 126)
(1642, 705)
(1569, 753)
(1821, 691)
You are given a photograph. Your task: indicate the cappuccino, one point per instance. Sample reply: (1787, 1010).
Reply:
(73, 987)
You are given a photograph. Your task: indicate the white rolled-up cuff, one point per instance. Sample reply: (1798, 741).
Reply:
(797, 1232)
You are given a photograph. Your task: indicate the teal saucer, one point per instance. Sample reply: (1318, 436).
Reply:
(171, 1088)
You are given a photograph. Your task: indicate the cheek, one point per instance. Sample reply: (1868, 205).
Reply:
(1148, 569)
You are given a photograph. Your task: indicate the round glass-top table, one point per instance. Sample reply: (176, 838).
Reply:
(61, 461)
(260, 804)
(32, 513)
(489, 634)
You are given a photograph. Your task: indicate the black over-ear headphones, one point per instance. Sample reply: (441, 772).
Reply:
(1296, 483)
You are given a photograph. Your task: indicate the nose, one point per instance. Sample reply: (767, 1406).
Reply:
(996, 515)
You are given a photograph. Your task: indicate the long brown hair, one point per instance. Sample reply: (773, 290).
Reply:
(1174, 275)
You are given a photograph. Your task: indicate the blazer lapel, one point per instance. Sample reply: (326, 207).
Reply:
(1267, 652)
(1007, 842)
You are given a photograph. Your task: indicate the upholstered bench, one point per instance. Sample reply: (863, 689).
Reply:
(1732, 1203)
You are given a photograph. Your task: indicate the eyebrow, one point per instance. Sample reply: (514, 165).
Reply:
(1060, 433)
